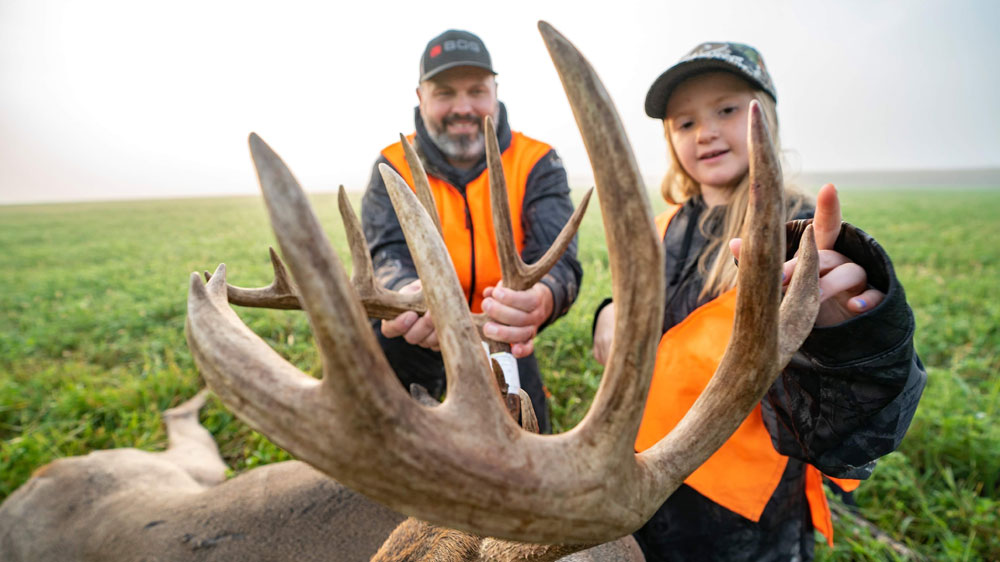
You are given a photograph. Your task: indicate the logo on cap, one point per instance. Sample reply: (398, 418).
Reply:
(435, 51)
(461, 45)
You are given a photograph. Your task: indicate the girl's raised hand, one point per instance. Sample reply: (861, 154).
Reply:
(843, 284)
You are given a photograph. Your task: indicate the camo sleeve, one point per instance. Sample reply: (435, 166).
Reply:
(849, 394)
(391, 257)
(547, 208)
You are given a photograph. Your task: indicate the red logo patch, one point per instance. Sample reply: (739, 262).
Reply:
(435, 51)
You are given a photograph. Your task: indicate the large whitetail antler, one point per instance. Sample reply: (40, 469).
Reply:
(465, 464)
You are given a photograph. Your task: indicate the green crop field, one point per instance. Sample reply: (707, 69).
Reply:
(92, 345)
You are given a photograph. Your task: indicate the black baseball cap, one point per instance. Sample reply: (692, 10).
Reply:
(742, 60)
(454, 48)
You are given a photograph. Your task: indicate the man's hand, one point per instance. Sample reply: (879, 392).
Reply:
(843, 284)
(515, 316)
(604, 332)
(415, 329)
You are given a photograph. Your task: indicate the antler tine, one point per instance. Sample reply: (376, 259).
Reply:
(510, 262)
(801, 302)
(753, 357)
(378, 301)
(359, 388)
(267, 388)
(420, 182)
(339, 322)
(515, 273)
(362, 274)
(280, 294)
(459, 338)
(634, 252)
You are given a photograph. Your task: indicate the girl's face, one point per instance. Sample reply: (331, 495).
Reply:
(707, 123)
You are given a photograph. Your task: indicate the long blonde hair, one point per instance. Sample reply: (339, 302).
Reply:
(716, 263)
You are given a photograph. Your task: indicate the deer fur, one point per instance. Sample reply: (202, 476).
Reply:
(127, 504)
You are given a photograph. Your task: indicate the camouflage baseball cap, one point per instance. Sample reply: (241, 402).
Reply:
(742, 60)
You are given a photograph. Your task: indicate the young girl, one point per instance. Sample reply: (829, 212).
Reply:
(847, 396)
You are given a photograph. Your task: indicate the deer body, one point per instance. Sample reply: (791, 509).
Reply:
(86, 508)
(127, 504)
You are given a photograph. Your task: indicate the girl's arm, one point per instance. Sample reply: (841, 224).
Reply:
(848, 395)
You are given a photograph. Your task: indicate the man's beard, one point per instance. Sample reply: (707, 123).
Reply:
(467, 148)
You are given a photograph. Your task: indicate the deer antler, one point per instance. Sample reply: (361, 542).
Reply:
(466, 464)
(378, 301)
(280, 294)
(420, 183)
(516, 274)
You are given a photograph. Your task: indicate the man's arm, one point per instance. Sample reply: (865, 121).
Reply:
(547, 208)
(391, 257)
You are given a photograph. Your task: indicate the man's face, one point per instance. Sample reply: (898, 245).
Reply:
(453, 105)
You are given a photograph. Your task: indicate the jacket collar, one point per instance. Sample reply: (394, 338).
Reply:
(436, 163)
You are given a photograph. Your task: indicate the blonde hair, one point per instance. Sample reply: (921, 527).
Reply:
(716, 263)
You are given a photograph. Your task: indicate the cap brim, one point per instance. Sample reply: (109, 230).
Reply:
(663, 86)
(448, 66)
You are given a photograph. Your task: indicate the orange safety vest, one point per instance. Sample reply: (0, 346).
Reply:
(467, 221)
(743, 474)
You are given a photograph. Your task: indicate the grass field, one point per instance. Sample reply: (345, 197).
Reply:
(92, 345)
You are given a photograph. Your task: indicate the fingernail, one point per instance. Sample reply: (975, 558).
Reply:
(409, 320)
(783, 276)
(499, 293)
(490, 330)
(487, 303)
(861, 303)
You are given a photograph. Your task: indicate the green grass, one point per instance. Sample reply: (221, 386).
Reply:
(92, 345)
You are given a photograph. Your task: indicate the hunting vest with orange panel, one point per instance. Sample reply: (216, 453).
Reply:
(743, 474)
(467, 220)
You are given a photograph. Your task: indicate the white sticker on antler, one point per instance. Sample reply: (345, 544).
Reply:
(508, 364)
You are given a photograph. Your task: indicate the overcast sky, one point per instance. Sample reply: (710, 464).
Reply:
(108, 99)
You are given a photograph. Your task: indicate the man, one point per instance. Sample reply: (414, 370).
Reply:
(457, 90)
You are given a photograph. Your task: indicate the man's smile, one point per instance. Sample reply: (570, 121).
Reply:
(462, 124)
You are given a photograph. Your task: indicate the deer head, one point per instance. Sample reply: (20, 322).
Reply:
(465, 464)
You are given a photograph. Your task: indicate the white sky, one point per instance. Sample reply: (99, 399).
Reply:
(108, 99)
